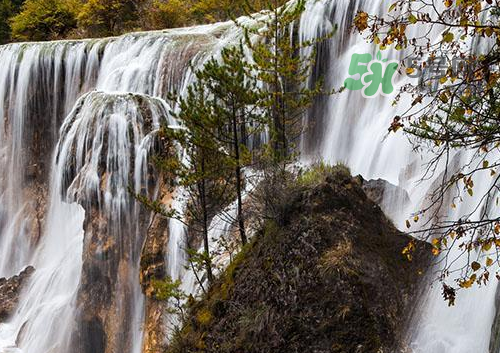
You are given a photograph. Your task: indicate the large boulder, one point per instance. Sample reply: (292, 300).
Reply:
(10, 290)
(329, 277)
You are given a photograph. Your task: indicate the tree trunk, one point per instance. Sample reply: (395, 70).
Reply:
(206, 245)
(236, 143)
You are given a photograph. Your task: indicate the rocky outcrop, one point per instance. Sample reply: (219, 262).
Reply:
(153, 267)
(375, 189)
(328, 277)
(109, 299)
(10, 290)
(389, 197)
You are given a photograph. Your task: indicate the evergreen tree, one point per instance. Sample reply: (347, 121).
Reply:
(220, 116)
(283, 64)
(234, 97)
(201, 177)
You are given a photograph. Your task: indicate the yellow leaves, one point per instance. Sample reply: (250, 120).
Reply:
(410, 70)
(448, 37)
(409, 249)
(436, 246)
(486, 164)
(469, 184)
(412, 19)
(415, 219)
(489, 262)
(445, 96)
(475, 266)
(487, 246)
(468, 283)
(478, 7)
(448, 3)
(396, 124)
(361, 21)
(488, 31)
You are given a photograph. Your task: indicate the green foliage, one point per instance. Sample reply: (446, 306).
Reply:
(219, 116)
(108, 17)
(282, 69)
(317, 173)
(56, 19)
(170, 290)
(166, 289)
(44, 20)
(6, 10)
(167, 14)
(220, 10)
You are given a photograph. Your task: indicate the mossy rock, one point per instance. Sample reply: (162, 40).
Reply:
(330, 279)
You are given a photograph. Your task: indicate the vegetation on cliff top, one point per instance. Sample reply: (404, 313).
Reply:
(39, 20)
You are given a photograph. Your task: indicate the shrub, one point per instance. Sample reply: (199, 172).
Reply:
(5, 13)
(167, 14)
(108, 17)
(44, 20)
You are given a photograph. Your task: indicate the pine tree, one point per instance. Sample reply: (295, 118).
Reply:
(234, 97)
(201, 176)
(283, 64)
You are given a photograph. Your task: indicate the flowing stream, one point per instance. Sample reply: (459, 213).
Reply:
(77, 125)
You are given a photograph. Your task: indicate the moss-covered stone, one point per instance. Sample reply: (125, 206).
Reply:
(332, 279)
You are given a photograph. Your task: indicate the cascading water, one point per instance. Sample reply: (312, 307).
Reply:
(95, 145)
(85, 294)
(351, 129)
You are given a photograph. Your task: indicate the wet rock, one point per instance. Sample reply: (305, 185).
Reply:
(153, 268)
(391, 198)
(10, 290)
(379, 189)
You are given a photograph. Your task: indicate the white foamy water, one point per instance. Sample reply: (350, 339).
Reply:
(96, 105)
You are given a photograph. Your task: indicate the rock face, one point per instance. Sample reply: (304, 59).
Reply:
(10, 290)
(153, 267)
(329, 278)
(389, 197)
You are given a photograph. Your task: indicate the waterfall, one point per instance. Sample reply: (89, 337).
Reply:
(77, 128)
(84, 114)
(350, 129)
